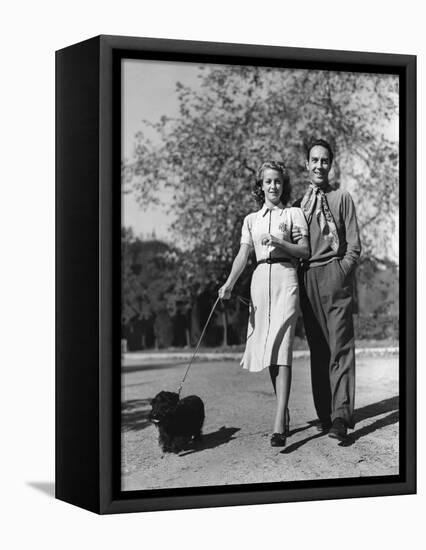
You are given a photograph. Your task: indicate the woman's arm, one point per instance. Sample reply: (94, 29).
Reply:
(238, 266)
(298, 250)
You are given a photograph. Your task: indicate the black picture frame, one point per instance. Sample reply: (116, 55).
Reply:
(88, 354)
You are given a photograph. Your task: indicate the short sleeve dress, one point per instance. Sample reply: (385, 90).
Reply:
(274, 289)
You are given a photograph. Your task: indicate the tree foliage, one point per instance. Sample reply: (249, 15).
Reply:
(149, 285)
(207, 156)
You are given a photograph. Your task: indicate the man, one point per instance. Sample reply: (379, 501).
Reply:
(326, 292)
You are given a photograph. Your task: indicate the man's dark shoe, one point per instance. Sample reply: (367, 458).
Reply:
(323, 425)
(338, 430)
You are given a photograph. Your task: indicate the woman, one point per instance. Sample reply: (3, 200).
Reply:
(274, 287)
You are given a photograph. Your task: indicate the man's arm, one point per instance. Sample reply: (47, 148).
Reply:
(353, 249)
(296, 234)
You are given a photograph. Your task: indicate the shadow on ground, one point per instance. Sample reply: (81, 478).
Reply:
(298, 444)
(46, 487)
(381, 407)
(390, 405)
(134, 414)
(212, 440)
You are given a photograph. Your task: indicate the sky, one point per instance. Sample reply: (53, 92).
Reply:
(148, 92)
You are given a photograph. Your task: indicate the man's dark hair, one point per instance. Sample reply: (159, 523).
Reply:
(322, 143)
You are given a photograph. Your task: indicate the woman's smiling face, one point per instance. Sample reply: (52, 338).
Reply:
(272, 186)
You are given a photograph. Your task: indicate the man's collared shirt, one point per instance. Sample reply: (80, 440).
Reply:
(342, 209)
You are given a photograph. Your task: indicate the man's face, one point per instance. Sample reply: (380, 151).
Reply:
(318, 165)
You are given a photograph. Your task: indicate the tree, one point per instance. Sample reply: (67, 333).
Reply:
(149, 287)
(208, 155)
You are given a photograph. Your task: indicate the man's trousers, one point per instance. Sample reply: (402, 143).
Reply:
(327, 306)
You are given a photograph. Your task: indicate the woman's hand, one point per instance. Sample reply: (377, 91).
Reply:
(225, 291)
(300, 249)
(267, 239)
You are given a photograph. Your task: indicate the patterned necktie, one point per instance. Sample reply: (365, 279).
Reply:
(314, 196)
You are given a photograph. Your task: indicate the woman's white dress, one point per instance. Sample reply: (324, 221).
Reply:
(274, 289)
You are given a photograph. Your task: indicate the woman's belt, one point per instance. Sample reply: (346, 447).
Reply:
(275, 261)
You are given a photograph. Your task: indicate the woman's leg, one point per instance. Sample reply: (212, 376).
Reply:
(281, 381)
(273, 371)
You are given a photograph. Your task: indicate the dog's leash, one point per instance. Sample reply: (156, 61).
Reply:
(198, 345)
(242, 300)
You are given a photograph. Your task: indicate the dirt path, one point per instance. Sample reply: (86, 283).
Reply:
(239, 409)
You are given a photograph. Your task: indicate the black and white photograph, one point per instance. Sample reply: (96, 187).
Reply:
(212, 237)
(260, 274)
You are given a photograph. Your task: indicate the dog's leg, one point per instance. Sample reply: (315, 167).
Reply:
(197, 436)
(165, 442)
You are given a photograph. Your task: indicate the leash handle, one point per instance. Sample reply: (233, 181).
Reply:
(243, 300)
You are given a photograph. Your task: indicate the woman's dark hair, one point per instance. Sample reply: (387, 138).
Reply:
(322, 143)
(257, 191)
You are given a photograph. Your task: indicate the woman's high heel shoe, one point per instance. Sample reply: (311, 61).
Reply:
(278, 440)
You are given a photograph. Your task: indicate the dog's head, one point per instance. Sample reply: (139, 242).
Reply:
(163, 405)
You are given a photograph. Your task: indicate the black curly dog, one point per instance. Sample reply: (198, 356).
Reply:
(178, 420)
